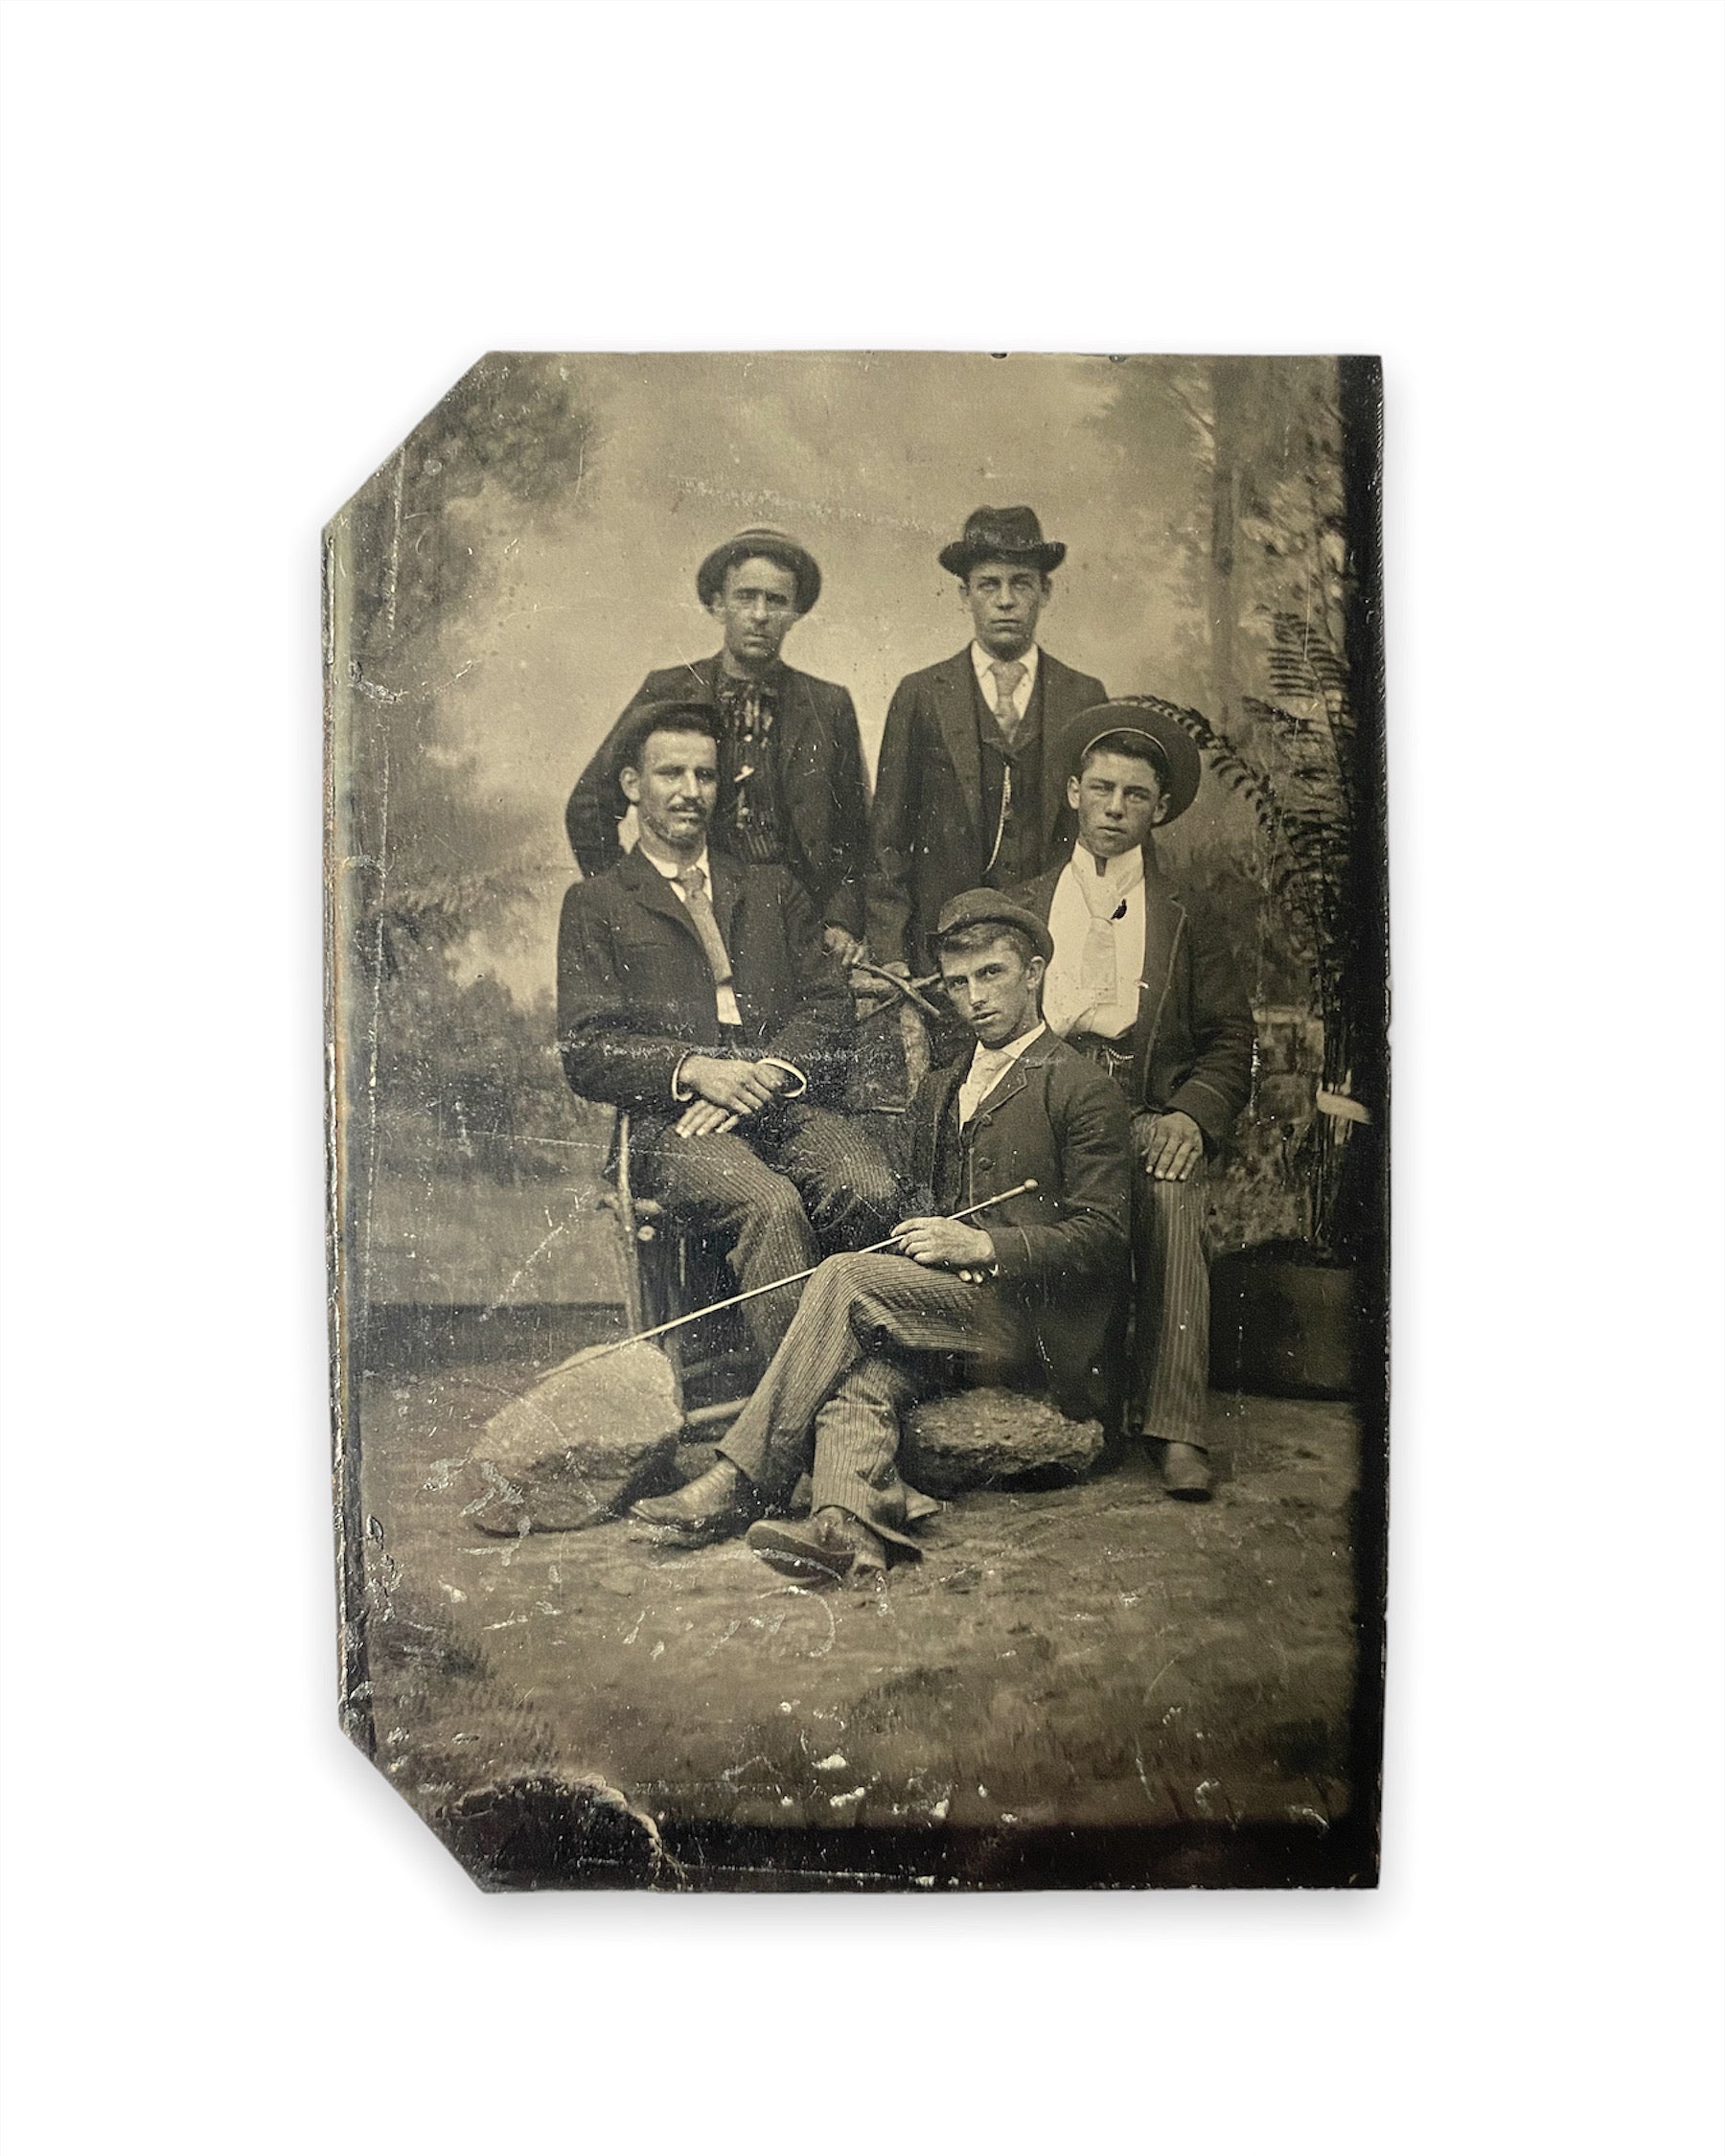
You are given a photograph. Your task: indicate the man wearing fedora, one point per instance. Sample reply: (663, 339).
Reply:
(1146, 987)
(964, 794)
(1021, 1294)
(792, 792)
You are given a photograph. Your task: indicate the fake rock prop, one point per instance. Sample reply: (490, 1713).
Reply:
(964, 1440)
(577, 1447)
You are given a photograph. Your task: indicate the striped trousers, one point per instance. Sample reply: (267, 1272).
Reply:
(788, 1185)
(1168, 1387)
(872, 1335)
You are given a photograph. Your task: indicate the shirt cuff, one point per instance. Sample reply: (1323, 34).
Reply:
(778, 1062)
(680, 1093)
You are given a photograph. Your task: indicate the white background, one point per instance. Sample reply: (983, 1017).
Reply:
(247, 246)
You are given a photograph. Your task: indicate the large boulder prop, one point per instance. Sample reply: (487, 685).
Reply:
(579, 1447)
(969, 1440)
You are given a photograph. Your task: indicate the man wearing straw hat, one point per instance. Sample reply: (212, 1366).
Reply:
(792, 792)
(1035, 1145)
(1146, 987)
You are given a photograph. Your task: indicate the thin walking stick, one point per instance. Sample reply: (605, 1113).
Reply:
(730, 1302)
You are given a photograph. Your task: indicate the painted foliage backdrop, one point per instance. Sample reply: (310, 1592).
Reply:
(498, 589)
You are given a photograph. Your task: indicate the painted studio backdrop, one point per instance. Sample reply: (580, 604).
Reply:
(495, 595)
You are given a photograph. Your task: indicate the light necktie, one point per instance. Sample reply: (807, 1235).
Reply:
(1105, 896)
(986, 1067)
(1007, 674)
(692, 883)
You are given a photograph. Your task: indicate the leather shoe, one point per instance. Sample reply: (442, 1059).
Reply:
(834, 1544)
(720, 1503)
(1185, 1471)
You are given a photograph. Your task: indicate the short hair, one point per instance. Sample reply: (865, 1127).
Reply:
(786, 558)
(1126, 741)
(638, 730)
(977, 936)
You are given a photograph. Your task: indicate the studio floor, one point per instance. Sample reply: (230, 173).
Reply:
(1099, 1657)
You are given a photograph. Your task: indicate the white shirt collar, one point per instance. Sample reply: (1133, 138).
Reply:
(1124, 873)
(983, 660)
(987, 1067)
(1011, 1052)
(671, 870)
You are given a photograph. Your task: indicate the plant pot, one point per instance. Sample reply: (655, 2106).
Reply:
(1284, 1321)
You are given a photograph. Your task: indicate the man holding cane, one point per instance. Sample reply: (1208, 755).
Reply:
(1022, 1294)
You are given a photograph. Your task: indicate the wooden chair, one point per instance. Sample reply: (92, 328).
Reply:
(667, 1270)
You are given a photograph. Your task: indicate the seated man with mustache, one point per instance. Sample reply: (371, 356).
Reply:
(695, 992)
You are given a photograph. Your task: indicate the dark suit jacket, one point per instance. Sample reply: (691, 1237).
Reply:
(1062, 1247)
(932, 837)
(1194, 1037)
(634, 993)
(821, 763)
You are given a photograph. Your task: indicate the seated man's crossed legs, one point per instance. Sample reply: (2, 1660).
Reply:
(872, 1335)
(796, 1183)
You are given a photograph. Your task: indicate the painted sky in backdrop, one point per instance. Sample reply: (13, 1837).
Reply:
(873, 461)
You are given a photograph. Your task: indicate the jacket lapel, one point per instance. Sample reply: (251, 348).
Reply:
(1054, 687)
(1164, 918)
(955, 687)
(649, 888)
(1011, 1082)
(728, 888)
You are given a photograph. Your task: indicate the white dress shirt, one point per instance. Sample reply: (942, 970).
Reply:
(1082, 898)
(987, 1067)
(983, 660)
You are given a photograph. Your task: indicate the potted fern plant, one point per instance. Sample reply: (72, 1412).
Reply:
(1287, 1315)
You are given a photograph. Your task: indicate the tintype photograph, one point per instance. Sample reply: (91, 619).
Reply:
(858, 1119)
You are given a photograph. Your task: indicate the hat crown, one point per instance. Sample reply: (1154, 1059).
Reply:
(772, 545)
(1006, 531)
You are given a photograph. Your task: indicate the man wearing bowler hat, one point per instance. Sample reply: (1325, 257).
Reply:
(1145, 986)
(792, 792)
(965, 795)
(1022, 1294)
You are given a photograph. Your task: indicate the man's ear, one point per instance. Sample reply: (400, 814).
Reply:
(1073, 793)
(1160, 814)
(628, 780)
(1035, 970)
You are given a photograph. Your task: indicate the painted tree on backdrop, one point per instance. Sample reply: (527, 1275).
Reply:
(1268, 581)
(465, 1080)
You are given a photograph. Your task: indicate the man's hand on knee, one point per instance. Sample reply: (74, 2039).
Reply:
(959, 1247)
(702, 1119)
(739, 1088)
(1172, 1145)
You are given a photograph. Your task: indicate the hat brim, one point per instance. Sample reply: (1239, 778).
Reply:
(991, 909)
(709, 578)
(1177, 753)
(964, 554)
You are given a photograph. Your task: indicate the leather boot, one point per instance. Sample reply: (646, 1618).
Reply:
(834, 1544)
(1186, 1472)
(720, 1503)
